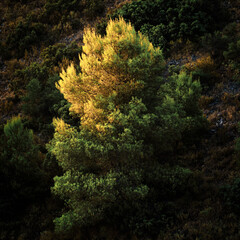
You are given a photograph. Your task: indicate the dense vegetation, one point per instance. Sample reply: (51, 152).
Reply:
(165, 21)
(119, 119)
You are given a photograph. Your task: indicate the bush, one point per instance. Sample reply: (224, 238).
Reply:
(42, 101)
(232, 56)
(53, 55)
(204, 69)
(230, 195)
(233, 51)
(94, 8)
(218, 42)
(25, 75)
(24, 36)
(164, 21)
(60, 11)
(22, 179)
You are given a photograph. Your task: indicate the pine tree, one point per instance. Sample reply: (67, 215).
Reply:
(128, 115)
(20, 174)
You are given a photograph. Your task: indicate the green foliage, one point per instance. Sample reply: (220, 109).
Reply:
(63, 11)
(157, 209)
(33, 95)
(94, 8)
(131, 66)
(21, 175)
(15, 134)
(178, 110)
(129, 116)
(164, 21)
(142, 200)
(43, 101)
(232, 55)
(100, 191)
(230, 195)
(233, 50)
(24, 36)
(54, 54)
(224, 48)
(169, 182)
(58, 10)
(24, 76)
(117, 143)
(221, 43)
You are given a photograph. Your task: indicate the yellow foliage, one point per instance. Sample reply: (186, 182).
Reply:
(92, 116)
(121, 64)
(204, 63)
(60, 125)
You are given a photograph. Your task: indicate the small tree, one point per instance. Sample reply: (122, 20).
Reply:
(129, 115)
(21, 178)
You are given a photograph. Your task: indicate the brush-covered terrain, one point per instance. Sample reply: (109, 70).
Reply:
(119, 120)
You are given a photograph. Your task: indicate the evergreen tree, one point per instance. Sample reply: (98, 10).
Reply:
(21, 177)
(129, 114)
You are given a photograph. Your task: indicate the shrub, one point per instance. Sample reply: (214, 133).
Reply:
(22, 179)
(204, 68)
(218, 42)
(60, 11)
(94, 8)
(41, 100)
(230, 194)
(164, 21)
(233, 50)
(35, 70)
(232, 55)
(53, 55)
(24, 36)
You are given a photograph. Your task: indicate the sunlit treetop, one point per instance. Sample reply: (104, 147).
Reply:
(123, 64)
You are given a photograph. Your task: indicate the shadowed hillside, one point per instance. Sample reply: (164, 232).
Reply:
(119, 120)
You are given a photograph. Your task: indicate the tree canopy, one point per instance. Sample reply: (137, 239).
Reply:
(129, 115)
